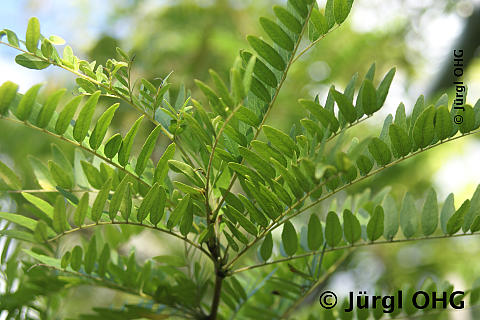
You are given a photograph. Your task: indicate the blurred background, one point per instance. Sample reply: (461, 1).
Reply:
(190, 36)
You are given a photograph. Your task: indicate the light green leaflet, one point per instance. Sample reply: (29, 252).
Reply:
(80, 130)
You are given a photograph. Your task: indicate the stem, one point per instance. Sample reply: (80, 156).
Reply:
(270, 105)
(104, 223)
(78, 145)
(276, 223)
(216, 297)
(321, 280)
(104, 282)
(210, 161)
(355, 245)
(314, 43)
(108, 89)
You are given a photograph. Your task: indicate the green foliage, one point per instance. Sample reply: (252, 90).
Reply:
(223, 184)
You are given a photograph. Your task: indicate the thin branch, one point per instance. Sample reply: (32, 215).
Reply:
(113, 93)
(47, 191)
(78, 145)
(94, 81)
(355, 245)
(210, 161)
(314, 43)
(278, 222)
(317, 283)
(102, 281)
(105, 223)
(270, 105)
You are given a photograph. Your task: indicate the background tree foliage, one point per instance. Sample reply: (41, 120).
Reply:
(134, 263)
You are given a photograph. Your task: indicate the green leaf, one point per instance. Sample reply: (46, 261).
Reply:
(341, 9)
(430, 213)
(423, 130)
(98, 134)
(266, 51)
(239, 92)
(81, 210)
(369, 97)
(90, 255)
(247, 116)
(266, 247)
(126, 206)
(474, 210)
(288, 19)
(11, 37)
(41, 204)
(48, 109)
(66, 115)
(19, 220)
(187, 171)
(59, 215)
(401, 142)
(281, 141)
(443, 123)
(468, 123)
(364, 164)
(448, 210)
(80, 130)
(66, 259)
(351, 227)
(63, 178)
(247, 76)
(8, 92)
(112, 145)
(289, 178)
(100, 200)
(162, 165)
(345, 105)
(77, 258)
(314, 233)
(147, 204)
(262, 166)
(156, 213)
(380, 151)
(375, 225)
(329, 14)
(383, 88)
(147, 150)
(127, 143)
(33, 34)
(391, 218)
(44, 259)
(299, 6)
(261, 71)
(326, 117)
(178, 212)
(117, 197)
(276, 33)
(9, 177)
(289, 238)
(25, 106)
(333, 230)
(92, 174)
(31, 62)
(456, 220)
(186, 223)
(103, 260)
(235, 215)
(212, 97)
(255, 214)
(319, 21)
(408, 216)
(222, 89)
